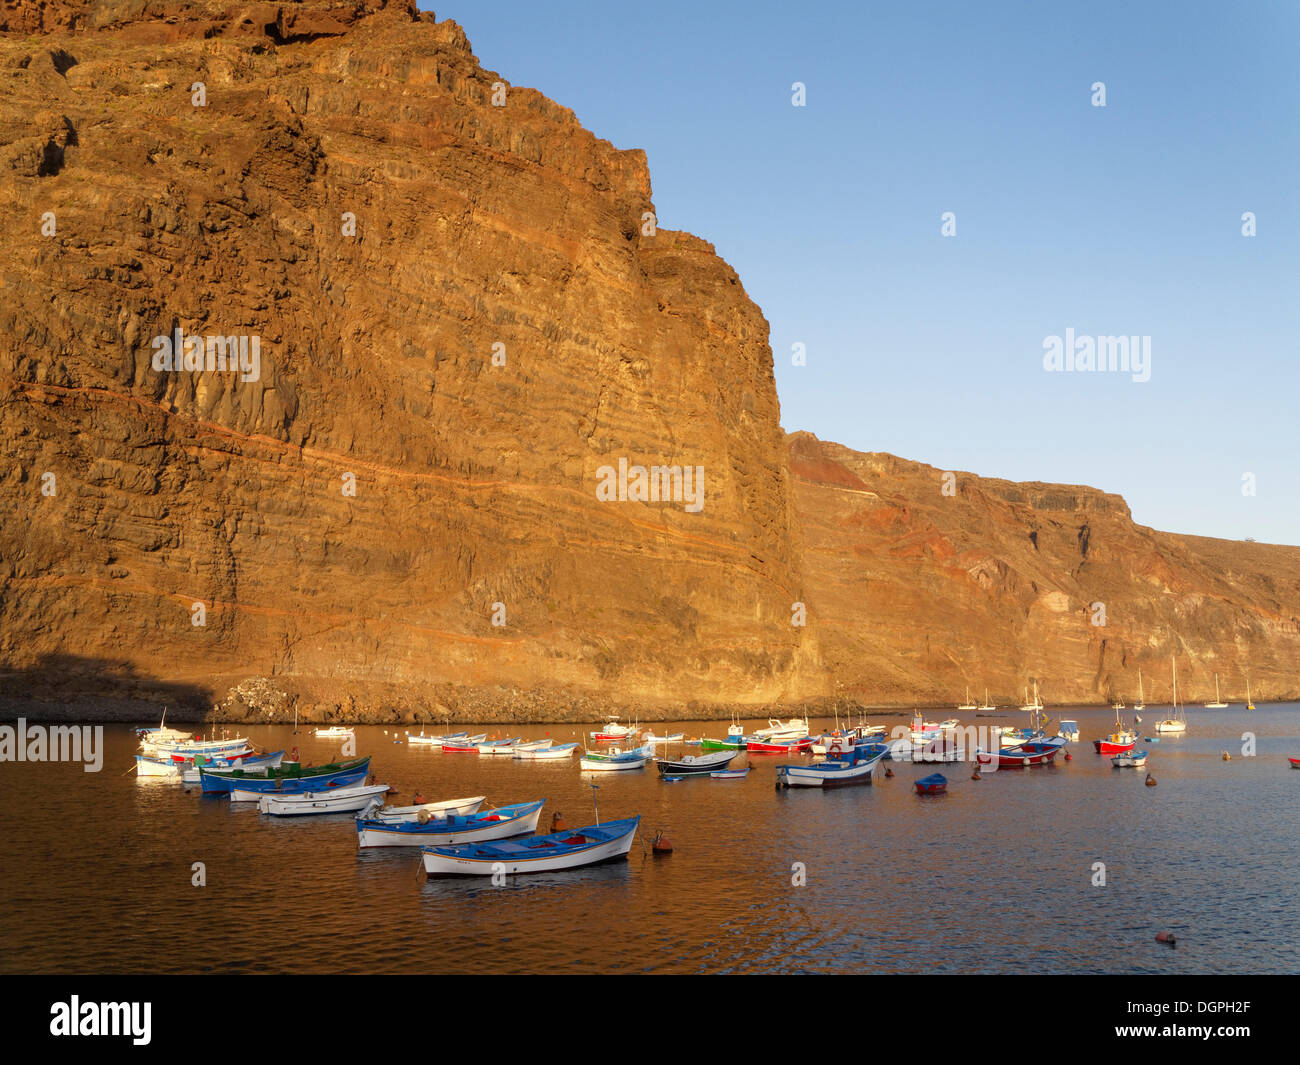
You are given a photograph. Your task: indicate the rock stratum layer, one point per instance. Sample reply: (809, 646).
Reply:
(464, 312)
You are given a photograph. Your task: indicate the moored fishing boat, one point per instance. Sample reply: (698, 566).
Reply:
(853, 764)
(286, 778)
(193, 773)
(1130, 760)
(1069, 731)
(614, 760)
(517, 819)
(189, 749)
(431, 809)
(464, 745)
(334, 801)
(801, 746)
(1218, 703)
(651, 738)
(499, 747)
(434, 741)
(735, 740)
(779, 731)
(612, 731)
(1295, 762)
(333, 732)
(534, 745)
(934, 784)
(695, 764)
(541, 854)
(1032, 753)
(730, 774)
(546, 754)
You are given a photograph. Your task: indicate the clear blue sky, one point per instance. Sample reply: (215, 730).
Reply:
(1117, 220)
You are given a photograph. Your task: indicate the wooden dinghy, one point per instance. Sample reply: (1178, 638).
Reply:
(519, 819)
(541, 854)
(446, 808)
(542, 754)
(335, 801)
(287, 778)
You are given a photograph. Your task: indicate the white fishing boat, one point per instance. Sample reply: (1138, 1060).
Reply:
(778, 731)
(534, 745)
(1177, 723)
(335, 801)
(614, 760)
(546, 754)
(1218, 703)
(422, 740)
(446, 808)
(333, 732)
(541, 854)
(852, 765)
(499, 747)
(651, 738)
(1068, 731)
(612, 731)
(163, 734)
(1130, 760)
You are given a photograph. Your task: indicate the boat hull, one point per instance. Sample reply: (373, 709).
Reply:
(697, 765)
(1018, 757)
(530, 856)
(1111, 747)
(340, 801)
(477, 828)
(613, 765)
(769, 747)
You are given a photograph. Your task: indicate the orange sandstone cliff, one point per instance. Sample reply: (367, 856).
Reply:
(458, 315)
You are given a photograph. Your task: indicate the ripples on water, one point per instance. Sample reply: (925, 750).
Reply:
(994, 877)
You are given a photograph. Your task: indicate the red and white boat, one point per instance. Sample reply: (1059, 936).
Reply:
(612, 731)
(1295, 763)
(1027, 754)
(800, 746)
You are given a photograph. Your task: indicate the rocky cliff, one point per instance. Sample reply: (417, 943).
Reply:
(341, 373)
(464, 316)
(924, 581)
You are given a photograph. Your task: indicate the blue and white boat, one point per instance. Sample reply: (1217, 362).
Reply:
(285, 780)
(1069, 731)
(541, 854)
(852, 763)
(518, 819)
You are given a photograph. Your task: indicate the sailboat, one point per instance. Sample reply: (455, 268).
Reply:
(1141, 704)
(1037, 704)
(1249, 705)
(1178, 723)
(987, 705)
(1218, 703)
(967, 705)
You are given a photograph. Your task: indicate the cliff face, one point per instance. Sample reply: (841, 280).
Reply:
(462, 314)
(443, 332)
(916, 592)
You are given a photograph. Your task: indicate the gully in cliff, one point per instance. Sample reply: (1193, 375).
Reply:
(658, 484)
(240, 354)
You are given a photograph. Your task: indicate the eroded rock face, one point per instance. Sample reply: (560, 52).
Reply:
(462, 317)
(917, 593)
(348, 196)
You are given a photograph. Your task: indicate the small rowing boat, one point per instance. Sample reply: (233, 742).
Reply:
(429, 809)
(1130, 760)
(518, 819)
(434, 741)
(285, 779)
(335, 801)
(499, 747)
(1027, 754)
(730, 774)
(844, 765)
(614, 760)
(695, 764)
(464, 745)
(799, 746)
(533, 745)
(541, 854)
(333, 732)
(934, 784)
(545, 754)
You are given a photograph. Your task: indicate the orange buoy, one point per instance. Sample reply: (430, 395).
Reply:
(1166, 937)
(1151, 781)
(1227, 757)
(976, 775)
(661, 845)
(889, 773)
(1069, 757)
(557, 822)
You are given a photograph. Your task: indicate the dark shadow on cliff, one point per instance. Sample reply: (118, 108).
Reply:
(62, 686)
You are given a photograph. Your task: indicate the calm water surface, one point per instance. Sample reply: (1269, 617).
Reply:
(994, 877)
